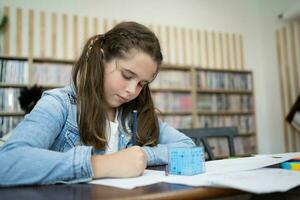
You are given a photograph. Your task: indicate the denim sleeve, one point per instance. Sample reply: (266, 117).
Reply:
(168, 137)
(26, 159)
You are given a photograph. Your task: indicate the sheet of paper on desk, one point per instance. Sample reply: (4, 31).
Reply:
(247, 163)
(149, 177)
(259, 181)
(264, 180)
(241, 173)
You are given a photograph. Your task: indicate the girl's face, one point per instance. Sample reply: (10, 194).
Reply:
(124, 78)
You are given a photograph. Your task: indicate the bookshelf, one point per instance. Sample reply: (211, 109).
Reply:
(186, 97)
(19, 72)
(217, 98)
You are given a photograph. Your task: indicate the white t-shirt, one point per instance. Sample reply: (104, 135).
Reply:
(112, 135)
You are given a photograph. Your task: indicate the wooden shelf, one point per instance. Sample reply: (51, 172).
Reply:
(171, 89)
(17, 85)
(225, 113)
(8, 114)
(52, 60)
(246, 134)
(3, 57)
(51, 86)
(175, 113)
(224, 91)
(224, 70)
(13, 85)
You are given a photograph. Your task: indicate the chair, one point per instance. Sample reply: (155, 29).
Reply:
(202, 134)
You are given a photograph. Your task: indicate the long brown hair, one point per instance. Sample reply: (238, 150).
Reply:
(88, 80)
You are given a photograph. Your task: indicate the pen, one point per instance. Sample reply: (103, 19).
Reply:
(134, 127)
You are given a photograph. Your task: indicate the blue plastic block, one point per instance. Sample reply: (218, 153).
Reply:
(186, 161)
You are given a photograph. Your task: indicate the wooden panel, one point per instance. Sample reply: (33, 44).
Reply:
(199, 48)
(19, 32)
(227, 48)
(85, 29)
(65, 36)
(281, 84)
(42, 34)
(95, 23)
(115, 22)
(294, 70)
(150, 26)
(192, 47)
(206, 49)
(183, 35)
(235, 56)
(241, 42)
(214, 50)
(105, 25)
(6, 32)
(176, 45)
(159, 35)
(30, 33)
(168, 45)
(286, 66)
(53, 34)
(221, 49)
(75, 36)
(194, 97)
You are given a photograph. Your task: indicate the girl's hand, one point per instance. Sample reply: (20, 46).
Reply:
(129, 162)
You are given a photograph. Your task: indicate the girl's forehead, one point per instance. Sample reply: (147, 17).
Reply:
(141, 64)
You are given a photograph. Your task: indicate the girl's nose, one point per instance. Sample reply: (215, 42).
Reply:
(131, 87)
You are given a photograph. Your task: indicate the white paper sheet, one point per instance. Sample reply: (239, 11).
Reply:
(149, 177)
(247, 163)
(245, 174)
(259, 181)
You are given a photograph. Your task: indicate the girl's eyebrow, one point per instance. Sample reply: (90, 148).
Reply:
(131, 72)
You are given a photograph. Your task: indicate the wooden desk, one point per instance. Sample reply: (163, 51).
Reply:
(93, 192)
(162, 191)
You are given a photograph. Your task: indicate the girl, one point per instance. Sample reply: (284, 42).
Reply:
(83, 131)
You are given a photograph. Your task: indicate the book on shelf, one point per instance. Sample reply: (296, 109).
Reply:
(7, 123)
(223, 80)
(14, 71)
(172, 102)
(172, 79)
(51, 74)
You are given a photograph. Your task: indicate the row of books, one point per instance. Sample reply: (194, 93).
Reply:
(172, 79)
(223, 80)
(245, 123)
(8, 123)
(173, 102)
(178, 121)
(14, 71)
(224, 102)
(243, 146)
(9, 100)
(49, 74)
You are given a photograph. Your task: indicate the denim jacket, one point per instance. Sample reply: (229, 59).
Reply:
(45, 148)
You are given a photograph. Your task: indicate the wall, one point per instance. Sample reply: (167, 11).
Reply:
(255, 19)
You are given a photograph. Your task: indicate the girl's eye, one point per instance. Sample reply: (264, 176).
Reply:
(126, 76)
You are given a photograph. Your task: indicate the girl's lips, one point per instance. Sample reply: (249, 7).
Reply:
(122, 99)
